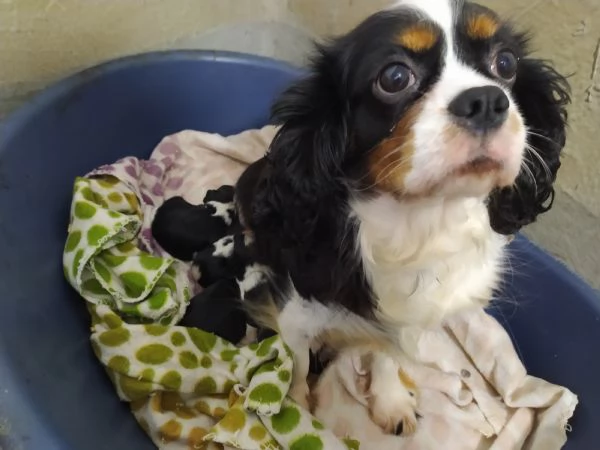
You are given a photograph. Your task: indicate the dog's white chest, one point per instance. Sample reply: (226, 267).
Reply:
(425, 261)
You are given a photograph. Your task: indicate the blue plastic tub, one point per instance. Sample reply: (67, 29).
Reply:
(53, 393)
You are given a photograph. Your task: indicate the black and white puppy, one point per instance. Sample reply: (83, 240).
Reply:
(416, 143)
(183, 229)
(210, 235)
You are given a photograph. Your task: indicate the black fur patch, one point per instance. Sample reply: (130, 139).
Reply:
(182, 229)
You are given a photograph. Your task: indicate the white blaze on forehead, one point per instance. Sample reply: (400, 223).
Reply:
(441, 12)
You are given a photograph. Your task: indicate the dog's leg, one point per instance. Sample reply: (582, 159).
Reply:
(299, 344)
(392, 395)
(299, 323)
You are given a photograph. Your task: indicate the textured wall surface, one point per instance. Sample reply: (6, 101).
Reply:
(44, 40)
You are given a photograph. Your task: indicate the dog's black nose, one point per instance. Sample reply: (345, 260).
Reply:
(481, 108)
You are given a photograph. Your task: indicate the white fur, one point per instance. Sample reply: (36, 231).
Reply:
(428, 258)
(299, 323)
(224, 247)
(433, 255)
(223, 210)
(253, 276)
(436, 156)
(424, 259)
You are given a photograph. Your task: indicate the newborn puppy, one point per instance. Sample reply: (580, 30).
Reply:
(229, 260)
(217, 310)
(182, 229)
(224, 194)
(211, 236)
(228, 257)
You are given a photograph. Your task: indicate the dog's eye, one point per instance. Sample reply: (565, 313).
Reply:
(392, 80)
(505, 65)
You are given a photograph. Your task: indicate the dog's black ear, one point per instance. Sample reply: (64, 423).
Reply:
(313, 117)
(306, 155)
(542, 95)
(298, 203)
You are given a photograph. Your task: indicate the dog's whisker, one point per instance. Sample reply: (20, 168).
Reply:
(391, 139)
(535, 153)
(388, 171)
(527, 169)
(395, 152)
(541, 136)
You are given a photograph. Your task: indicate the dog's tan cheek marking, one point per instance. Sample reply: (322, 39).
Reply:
(482, 26)
(514, 124)
(391, 161)
(418, 38)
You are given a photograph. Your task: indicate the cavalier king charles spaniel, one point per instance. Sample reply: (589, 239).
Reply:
(413, 148)
(411, 151)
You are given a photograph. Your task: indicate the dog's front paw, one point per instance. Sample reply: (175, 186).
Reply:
(392, 397)
(394, 411)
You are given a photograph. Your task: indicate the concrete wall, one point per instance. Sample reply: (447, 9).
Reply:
(44, 40)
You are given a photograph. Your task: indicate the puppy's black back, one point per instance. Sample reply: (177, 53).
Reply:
(183, 229)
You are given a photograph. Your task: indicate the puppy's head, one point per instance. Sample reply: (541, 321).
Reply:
(428, 98)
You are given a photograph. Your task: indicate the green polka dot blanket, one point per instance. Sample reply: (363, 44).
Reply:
(187, 388)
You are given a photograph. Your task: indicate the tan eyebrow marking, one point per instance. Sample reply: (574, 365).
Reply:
(482, 26)
(418, 38)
